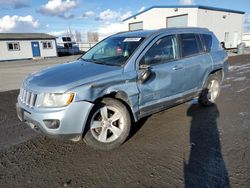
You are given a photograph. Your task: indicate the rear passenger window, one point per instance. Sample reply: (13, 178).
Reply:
(207, 42)
(190, 44)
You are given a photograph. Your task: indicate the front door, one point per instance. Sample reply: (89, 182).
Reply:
(166, 79)
(35, 49)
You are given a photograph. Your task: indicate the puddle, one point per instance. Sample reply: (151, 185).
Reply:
(239, 67)
(239, 79)
(243, 113)
(241, 90)
(226, 85)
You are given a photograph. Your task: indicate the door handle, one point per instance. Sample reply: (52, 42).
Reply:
(177, 67)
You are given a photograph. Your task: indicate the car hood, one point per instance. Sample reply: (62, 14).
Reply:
(63, 77)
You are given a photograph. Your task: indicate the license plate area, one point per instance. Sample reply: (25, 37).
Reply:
(22, 114)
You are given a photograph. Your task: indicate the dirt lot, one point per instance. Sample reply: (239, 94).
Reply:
(186, 146)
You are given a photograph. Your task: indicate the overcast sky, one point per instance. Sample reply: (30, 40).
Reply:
(104, 16)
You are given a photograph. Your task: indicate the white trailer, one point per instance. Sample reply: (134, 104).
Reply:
(14, 46)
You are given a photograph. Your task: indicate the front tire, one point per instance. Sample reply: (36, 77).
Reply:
(108, 125)
(211, 91)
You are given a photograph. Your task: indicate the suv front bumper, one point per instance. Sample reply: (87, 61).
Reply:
(72, 119)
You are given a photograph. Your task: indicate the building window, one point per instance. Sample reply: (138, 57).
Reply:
(65, 39)
(47, 45)
(13, 46)
(68, 45)
(135, 26)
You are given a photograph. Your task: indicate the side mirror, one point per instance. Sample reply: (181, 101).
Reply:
(223, 45)
(146, 73)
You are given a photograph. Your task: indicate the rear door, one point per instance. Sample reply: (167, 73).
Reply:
(166, 79)
(197, 62)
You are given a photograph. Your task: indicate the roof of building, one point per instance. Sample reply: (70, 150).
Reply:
(25, 36)
(147, 33)
(137, 33)
(188, 6)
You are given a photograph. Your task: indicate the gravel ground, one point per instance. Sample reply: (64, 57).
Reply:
(185, 146)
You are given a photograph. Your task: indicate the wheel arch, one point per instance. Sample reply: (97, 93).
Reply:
(123, 98)
(219, 72)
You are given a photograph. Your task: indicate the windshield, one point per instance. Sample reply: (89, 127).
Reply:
(113, 50)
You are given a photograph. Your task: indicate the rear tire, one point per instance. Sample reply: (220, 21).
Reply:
(211, 91)
(108, 125)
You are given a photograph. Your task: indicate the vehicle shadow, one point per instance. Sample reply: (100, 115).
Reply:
(205, 167)
(135, 127)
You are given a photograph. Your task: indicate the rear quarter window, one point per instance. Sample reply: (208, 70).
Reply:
(207, 39)
(190, 44)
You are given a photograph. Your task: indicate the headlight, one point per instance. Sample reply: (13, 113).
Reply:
(55, 99)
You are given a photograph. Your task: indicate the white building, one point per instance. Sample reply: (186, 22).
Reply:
(226, 24)
(15, 46)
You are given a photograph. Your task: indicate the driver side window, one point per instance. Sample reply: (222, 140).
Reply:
(162, 51)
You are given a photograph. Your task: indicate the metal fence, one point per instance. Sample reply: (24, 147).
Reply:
(74, 48)
(85, 46)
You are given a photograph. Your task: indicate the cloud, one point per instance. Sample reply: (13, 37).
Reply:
(16, 4)
(66, 16)
(58, 33)
(110, 15)
(111, 21)
(126, 15)
(109, 29)
(18, 23)
(59, 8)
(88, 14)
(187, 2)
(141, 9)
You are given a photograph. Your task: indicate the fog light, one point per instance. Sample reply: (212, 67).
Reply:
(52, 123)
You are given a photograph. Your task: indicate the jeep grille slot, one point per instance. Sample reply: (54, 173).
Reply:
(27, 97)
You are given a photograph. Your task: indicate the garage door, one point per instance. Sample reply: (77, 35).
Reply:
(177, 21)
(135, 26)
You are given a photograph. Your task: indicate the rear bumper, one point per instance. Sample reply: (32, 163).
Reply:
(72, 119)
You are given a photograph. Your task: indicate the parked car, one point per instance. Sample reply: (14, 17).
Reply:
(122, 79)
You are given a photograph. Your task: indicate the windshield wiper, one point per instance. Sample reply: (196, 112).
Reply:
(99, 62)
(93, 61)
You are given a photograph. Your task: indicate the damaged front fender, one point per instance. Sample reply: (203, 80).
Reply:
(121, 86)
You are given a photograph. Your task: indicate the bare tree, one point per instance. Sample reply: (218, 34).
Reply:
(78, 36)
(70, 33)
(92, 37)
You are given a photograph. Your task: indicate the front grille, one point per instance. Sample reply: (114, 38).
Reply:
(27, 97)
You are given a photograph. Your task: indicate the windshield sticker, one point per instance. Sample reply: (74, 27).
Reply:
(131, 39)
